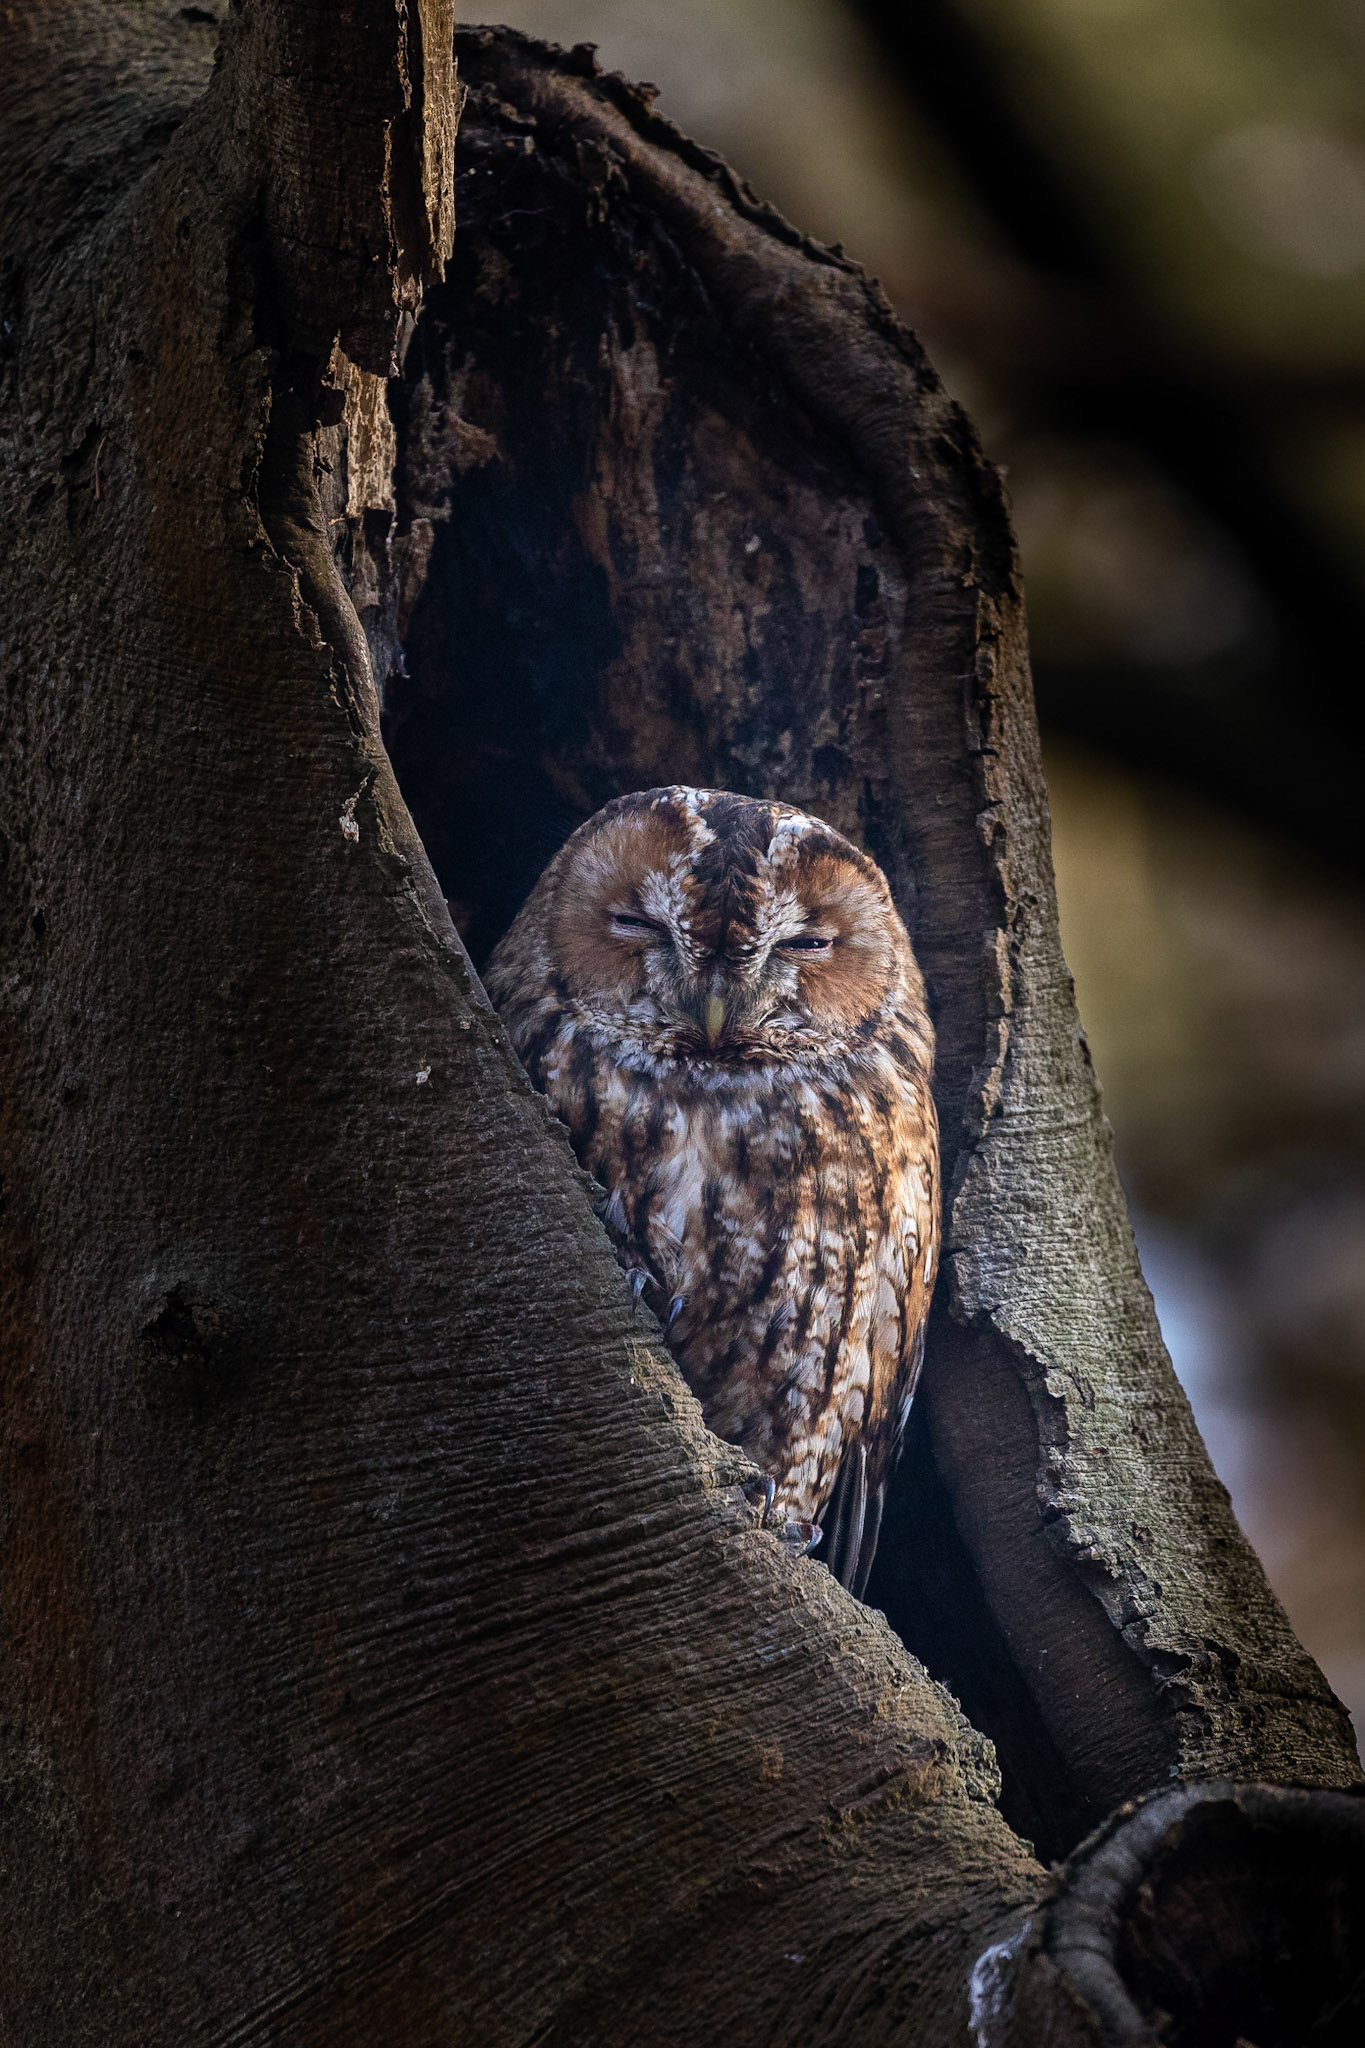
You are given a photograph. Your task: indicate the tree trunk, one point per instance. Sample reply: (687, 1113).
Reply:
(389, 1652)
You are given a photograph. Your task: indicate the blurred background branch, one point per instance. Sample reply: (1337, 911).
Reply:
(1132, 235)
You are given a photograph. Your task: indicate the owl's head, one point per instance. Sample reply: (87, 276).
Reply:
(697, 926)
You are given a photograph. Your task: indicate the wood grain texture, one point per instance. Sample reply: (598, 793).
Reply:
(1208, 1913)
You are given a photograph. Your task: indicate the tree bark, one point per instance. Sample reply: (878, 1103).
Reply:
(388, 1651)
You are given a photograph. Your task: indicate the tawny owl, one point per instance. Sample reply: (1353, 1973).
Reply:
(719, 1000)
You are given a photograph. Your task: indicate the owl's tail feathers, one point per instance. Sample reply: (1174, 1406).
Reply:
(876, 1501)
(851, 1522)
(853, 1513)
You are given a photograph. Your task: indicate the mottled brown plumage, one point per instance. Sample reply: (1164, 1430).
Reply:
(720, 1001)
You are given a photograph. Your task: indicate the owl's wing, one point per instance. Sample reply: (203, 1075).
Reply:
(905, 1258)
(852, 1516)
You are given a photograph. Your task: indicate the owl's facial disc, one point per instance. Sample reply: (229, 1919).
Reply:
(771, 939)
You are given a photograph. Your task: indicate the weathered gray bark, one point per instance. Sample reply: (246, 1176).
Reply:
(388, 1652)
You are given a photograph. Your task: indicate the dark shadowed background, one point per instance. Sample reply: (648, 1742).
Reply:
(1132, 235)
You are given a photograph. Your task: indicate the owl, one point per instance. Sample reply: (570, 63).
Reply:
(720, 1002)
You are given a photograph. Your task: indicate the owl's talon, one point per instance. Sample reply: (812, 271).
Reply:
(675, 1309)
(759, 1494)
(639, 1280)
(800, 1536)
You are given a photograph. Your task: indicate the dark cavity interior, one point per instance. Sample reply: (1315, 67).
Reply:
(644, 566)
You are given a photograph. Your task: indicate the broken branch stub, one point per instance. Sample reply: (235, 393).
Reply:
(678, 499)
(1205, 1917)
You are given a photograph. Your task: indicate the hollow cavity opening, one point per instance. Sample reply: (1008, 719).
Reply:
(625, 553)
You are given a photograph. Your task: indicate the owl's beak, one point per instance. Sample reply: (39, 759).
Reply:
(715, 1019)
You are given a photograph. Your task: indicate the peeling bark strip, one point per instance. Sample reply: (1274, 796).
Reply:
(348, 117)
(679, 500)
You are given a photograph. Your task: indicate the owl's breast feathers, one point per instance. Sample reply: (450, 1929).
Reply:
(786, 1221)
